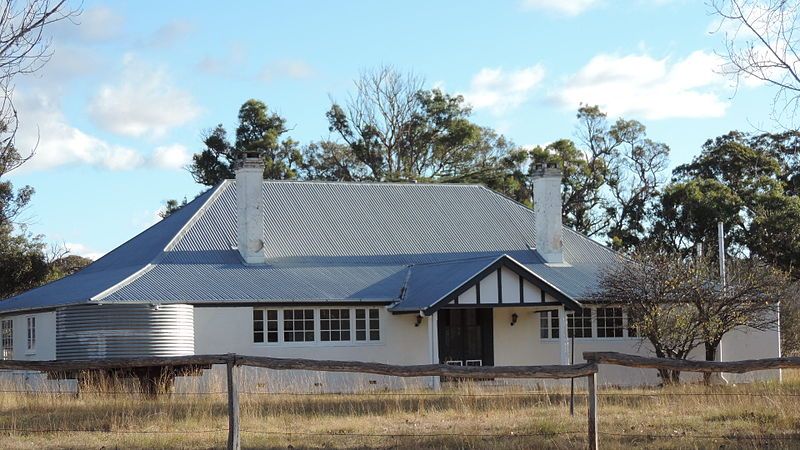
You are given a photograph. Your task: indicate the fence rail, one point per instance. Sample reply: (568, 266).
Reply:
(233, 361)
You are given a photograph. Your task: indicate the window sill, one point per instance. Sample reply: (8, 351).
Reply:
(318, 344)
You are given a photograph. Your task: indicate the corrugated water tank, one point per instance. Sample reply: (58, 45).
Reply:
(122, 331)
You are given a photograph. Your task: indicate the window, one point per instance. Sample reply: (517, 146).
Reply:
(265, 324)
(368, 324)
(334, 324)
(548, 324)
(31, 333)
(579, 324)
(298, 325)
(609, 322)
(7, 333)
(279, 325)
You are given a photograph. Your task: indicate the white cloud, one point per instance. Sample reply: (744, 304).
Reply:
(563, 7)
(224, 64)
(169, 34)
(43, 127)
(293, 69)
(75, 248)
(643, 86)
(175, 156)
(96, 24)
(500, 91)
(143, 103)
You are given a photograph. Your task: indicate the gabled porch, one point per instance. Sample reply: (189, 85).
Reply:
(483, 312)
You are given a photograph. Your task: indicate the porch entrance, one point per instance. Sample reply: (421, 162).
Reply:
(465, 337)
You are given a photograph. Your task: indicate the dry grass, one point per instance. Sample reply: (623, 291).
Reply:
(466, 416)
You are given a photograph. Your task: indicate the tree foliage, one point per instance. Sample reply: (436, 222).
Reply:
(24, 49)
(746, 182)
(395, 130)
(761, 42)
(678, 303)
(259, 132)
(651, 286)
(611, 177)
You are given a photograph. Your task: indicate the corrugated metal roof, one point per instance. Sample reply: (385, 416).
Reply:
(324, 241)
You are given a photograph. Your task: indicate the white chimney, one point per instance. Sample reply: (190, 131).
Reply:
(547, 212)
(250, 208)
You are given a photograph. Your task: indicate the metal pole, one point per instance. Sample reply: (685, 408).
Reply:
(572, 380)
(724, 281)
(234, 441)
(721, 233)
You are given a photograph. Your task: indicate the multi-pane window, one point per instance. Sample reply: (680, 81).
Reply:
(631, 327)
(548, 324)
(298, 325)
(284, 325)
(334, 324)
(265, 325)
(7, 333)
(31, 333)
(368, 325)
(579, 324)
(609, 322)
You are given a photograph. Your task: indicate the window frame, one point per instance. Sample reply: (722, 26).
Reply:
(6, 339)
(583, 328)
(622, 322)
(339, 321)
(30, 334)
(352, 342)
(553, 331)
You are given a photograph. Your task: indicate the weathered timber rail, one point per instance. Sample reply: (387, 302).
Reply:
(233, 361)
(645, 362)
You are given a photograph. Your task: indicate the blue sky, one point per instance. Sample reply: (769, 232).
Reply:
(122, 104)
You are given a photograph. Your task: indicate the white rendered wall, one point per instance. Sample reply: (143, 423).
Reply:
(44, 350)
(521, 344)
(230, 330)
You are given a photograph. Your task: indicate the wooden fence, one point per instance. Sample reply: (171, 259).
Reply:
(233, 361)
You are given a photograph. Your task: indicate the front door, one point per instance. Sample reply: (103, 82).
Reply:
(465, 337)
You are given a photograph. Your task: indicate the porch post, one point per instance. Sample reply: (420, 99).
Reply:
(563, 341)
(433, 343)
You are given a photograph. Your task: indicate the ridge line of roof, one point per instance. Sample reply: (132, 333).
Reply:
(172, 242)
(450, 261)
(379, 183)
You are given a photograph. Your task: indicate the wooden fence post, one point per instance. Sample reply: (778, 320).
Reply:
(234, 441)
(593, 440)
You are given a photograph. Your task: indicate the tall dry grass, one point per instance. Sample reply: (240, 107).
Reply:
(464, 415)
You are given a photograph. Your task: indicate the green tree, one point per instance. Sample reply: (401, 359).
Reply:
(392, 129)
(171, 206)
(611, 177)
(23, 263)
(748, 184)
(25, 49)
(259, 132)
(652, 287)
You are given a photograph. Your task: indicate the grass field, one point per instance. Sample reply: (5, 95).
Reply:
(463, 416)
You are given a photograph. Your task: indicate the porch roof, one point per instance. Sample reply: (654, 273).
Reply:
(431, 286)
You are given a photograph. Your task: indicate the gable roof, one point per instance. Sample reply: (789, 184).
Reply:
(324, 242)
(430, 286)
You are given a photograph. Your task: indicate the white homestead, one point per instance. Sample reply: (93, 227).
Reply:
(380, 272)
